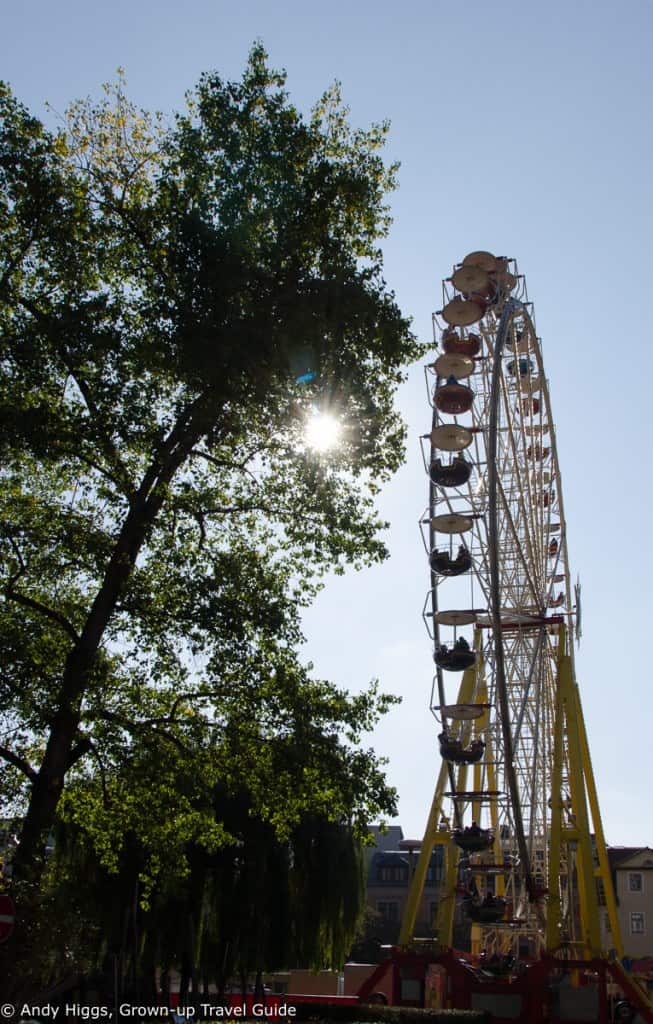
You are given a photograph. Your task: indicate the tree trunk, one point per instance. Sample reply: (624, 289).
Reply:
(259, 987)
(165, 985)
(184, 979)
(192, 948)
(29, 858)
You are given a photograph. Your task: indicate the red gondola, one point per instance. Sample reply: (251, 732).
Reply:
(453, 344)
(453, 397)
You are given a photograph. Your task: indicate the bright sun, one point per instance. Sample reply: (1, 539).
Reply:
(322, 431)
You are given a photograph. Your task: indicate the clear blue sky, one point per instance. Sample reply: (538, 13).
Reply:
(521, 128)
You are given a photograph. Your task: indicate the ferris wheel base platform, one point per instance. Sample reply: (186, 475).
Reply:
(549, 989)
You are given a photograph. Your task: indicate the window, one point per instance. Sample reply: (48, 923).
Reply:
(434, 871)
(388, 909)
(637, 923)
(393, 874)
(635, 881)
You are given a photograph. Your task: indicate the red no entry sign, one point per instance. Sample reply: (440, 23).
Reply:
(7, 916)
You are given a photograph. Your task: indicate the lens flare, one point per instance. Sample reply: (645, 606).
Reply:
(322, 432)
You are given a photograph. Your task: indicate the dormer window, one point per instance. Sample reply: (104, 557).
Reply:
(393, 873)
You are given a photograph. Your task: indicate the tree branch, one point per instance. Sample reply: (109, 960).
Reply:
(229, 510)
(173, 710)
(81, 748)
(14, 263)
(18, 762)
(109, 449)
(222, 464)
(146, 243)
(19, 555)
(50, 613)
(106, 473)
(141, 727)
(120, 475)
(103, 776)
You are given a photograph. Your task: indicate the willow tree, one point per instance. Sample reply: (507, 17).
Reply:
(175, 299)
(255, 904)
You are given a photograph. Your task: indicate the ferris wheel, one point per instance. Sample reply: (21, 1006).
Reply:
(515, 805)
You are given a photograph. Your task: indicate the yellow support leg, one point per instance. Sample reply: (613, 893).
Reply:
(447, 901)
(568, 719)
(604, 867)
(590, 919)
(553, 921)
(482, 726)
(465, 695)
(423, 861)
(476, 939)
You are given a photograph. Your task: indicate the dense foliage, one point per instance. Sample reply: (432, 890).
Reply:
(175, 299)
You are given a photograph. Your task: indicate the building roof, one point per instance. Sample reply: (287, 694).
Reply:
(618, 856)
(387, 858)
(389, 839)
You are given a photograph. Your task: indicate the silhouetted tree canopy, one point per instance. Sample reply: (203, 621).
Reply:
(176, 299)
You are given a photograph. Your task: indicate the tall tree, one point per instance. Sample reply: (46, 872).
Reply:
(175, 300)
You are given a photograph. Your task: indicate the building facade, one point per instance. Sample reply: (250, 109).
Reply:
(392, 860)
(390, 867)
(632, 877)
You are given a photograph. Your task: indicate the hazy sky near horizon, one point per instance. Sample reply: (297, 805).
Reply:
(523, 128)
